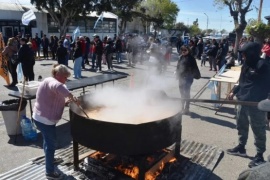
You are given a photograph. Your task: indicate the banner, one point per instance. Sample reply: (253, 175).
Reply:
(27, 17)
(76, 33)
(100, 18)
(3, 61)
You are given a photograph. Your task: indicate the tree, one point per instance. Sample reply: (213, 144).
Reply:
(238, 10)
(161, 13)
(223, 31)
(126, 11)
(194, 30)
(63, 12)
(182, 27)
(258, 30)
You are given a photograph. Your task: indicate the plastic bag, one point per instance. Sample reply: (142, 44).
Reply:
(19, 72)
(12, 105)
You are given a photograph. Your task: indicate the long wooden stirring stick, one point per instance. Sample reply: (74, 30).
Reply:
(19, 111)
(80, 107)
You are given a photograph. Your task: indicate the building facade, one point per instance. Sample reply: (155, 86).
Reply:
(11, 24)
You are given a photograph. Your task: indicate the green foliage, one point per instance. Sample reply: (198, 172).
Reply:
(181, 27)
(194, 30)
(162, 13)
(258, 30)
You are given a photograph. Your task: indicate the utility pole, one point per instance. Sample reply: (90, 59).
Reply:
(206, 22)
(260, 11)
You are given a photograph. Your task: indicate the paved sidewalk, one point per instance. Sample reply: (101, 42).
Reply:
(202, 126)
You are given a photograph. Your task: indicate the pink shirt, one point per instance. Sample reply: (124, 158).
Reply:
(50, 100)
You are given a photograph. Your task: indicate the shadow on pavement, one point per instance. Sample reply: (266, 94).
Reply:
(213, 120)
(62, 133)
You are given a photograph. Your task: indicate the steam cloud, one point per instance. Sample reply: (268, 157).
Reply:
(145, 103)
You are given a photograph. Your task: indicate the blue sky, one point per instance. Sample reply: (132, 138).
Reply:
(217, 18)
(190, 10)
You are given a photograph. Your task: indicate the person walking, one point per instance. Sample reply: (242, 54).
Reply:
(254, 86)
(186, 66)
(48, 109)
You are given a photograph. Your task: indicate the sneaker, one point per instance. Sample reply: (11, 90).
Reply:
(98, 71)
(237, 151)
(54, 175)
(58, 160)
(258, 160)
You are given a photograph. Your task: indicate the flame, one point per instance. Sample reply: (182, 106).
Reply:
(172, 160)
(132, 171)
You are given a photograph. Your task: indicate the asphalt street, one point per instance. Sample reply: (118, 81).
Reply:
(203, 125)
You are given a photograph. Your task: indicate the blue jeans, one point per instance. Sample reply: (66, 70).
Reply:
(78, 67)
(94, 60)
(49, 144)
(119, 57)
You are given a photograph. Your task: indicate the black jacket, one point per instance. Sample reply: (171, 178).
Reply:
(254, 82)
(61, 52)
(26, 55)
(186, 65)
(99, 47)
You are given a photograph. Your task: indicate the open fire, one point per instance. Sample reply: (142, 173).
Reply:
(132, 166)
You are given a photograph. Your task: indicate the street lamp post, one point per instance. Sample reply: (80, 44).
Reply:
(206, 22)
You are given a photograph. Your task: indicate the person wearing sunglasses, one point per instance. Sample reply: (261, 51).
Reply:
(185, 69)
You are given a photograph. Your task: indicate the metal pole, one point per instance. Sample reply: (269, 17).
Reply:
(206, 22)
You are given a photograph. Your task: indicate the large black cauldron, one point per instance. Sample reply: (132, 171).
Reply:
(123, 139)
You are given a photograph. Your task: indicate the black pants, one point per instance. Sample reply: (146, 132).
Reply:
(28, 72)
(45, 52)
(184, 87)
(99, 58)
(12, 70)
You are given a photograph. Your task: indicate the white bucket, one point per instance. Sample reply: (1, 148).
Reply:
(10, 119)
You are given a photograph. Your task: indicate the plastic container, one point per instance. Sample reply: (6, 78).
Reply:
(9, 109)
(10, 119)
(30, 87)
(29, 132)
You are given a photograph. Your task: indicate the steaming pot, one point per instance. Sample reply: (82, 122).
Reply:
(121, 138)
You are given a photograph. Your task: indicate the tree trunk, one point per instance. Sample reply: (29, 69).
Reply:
(125, 26)
(239, 35)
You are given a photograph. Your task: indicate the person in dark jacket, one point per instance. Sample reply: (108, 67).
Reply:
(219, 56)
(98, 51)
(184, 73)
(87, 49)
(108, 51)
(254, 85)
(118, 49)
(77, 61)
(61, 53)
(26, 57)
(45, 45)
(212, 53)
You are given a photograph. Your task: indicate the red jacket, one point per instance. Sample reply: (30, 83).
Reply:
(266, 49)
